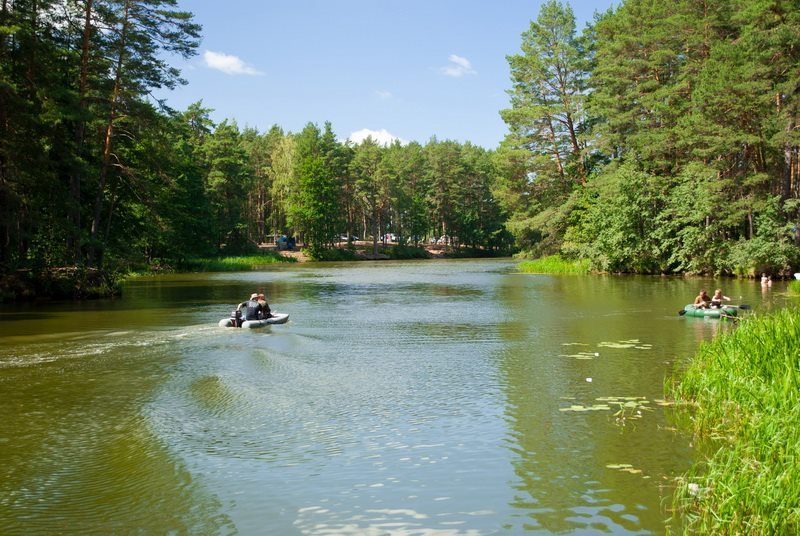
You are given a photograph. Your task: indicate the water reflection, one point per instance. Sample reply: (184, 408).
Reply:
(592, 451)
(78, 455)
(444, 397)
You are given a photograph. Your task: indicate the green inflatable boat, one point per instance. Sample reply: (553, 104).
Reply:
(726, 311)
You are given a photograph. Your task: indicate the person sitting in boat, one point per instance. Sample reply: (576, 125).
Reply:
(266, 312)
(716, 299)
(252, 309)
(702, 300)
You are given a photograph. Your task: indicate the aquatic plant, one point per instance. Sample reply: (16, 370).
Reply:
(554, 264)
(794, 287)
(745, 388)
(234, 264)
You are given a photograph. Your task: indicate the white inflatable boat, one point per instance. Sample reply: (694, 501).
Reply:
(275, 318)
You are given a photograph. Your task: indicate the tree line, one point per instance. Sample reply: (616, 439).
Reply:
(663, 138)
(94, 172)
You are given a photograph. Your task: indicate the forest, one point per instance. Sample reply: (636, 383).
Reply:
(662, 138)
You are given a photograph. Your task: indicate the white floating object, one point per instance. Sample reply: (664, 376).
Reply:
(589, 380)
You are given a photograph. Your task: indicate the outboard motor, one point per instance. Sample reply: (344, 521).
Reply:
(236, 318)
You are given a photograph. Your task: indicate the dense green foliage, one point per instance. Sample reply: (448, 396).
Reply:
(665, 138)
(95, 174)
(746, 387)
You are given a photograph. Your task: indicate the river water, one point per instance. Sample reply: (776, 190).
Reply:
(431, 397)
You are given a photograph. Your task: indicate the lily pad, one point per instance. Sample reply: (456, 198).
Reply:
(615, 345)
(619, 466)
(625, 467)
(630, 343)
(578, 408)
(581, 355)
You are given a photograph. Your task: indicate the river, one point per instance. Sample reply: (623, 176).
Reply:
(430, 397)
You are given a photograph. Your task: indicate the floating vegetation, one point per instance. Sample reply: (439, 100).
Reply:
(581, 355)
(577, 408)
(631, 343)
(627, 407)
(624, 467)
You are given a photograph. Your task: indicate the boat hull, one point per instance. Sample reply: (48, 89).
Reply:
(724, 312)
(276, 318)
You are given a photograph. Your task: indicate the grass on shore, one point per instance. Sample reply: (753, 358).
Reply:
(554, 264)
(234, 264)
(794, 286)
(745, 386)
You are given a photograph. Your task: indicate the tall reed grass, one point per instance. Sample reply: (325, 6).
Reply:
(234, 264)
(794, 286)
(554, 264)
(745, 386)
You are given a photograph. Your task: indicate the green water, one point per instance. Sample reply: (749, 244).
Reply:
(442, 397)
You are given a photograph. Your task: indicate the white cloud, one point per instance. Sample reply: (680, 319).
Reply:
(459, 66)
(382, 136)
(384, 95)
(228, 64)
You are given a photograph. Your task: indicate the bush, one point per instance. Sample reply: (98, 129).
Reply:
(332, 254)
(406, 252)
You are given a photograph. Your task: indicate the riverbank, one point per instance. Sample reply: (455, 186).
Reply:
(363, 250)
(61, 283)
(745, 389)
(74, 282)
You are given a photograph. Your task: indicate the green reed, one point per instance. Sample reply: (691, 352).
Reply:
(794, 286)
(745, 386)
(234, 264)
(554, 264)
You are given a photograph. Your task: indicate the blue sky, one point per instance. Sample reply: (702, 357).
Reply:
(408, 69)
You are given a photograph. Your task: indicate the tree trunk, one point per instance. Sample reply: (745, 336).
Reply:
(375, 226)
(109, 132)
(74, 245)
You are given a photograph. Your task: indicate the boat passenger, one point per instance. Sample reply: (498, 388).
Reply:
(702, 300)
(252, 309)
(265, 310)
(716, 300)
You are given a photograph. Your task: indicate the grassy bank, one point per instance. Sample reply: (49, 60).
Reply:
(233, 264)
(554, 264)
(745, 387)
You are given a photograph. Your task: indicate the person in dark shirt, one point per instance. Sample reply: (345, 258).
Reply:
(252, 308)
